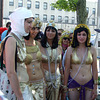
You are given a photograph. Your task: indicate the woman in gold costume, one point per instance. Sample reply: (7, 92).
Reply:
(81, 75)
(51, 60)
(33, 62)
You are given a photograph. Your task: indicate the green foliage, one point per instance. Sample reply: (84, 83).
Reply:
(69, 5)
(99, 80)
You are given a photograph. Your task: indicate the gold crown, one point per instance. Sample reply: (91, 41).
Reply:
(83, 26)
(51, 23)
(37, 23)
(64, 34)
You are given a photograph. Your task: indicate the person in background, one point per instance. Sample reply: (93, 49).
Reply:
(20, 25)
(8, 24)
(60, 31)
(51, 60)
(39, 36)
(33, 62)
(65, 43)
(5, 33)
(81, 75)
(2, 29)
(70, 35)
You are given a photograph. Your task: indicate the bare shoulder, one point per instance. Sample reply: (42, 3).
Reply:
(69, 49)
(38, 43)
(60, 48)
(92, 48)
(10, 43)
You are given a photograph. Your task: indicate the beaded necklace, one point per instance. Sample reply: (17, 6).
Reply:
(49, 61)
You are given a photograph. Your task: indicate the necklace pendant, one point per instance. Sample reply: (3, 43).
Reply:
(33, 70)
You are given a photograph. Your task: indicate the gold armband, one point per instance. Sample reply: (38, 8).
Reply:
(64, 87)
(96, 82)
(65, 91)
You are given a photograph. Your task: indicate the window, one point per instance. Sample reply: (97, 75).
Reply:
(52, 17)
(59, 9)
(37, 4)
(36, 15)
(20, 3)
(11, 2)
(52, 8)
(93, 21)
(28, 4)
(98, 43)
(87, 21)
(73, 20)
(87, 9)
(66, 19)
(45, 6)
(59, 18)
(44, 17)
(93, 11)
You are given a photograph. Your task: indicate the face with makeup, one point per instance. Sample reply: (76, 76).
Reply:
(81, 37)
(34, 31)
(28, 24)
(50, 33)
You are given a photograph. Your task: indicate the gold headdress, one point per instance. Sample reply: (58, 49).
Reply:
(51, 23)
(64, 34)
(83, 26)
(37, 23)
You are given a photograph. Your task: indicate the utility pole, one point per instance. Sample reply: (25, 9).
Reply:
(1, 13)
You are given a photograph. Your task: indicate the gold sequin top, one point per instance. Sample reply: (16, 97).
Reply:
(52, 53)
(30, 50)
(76, 60)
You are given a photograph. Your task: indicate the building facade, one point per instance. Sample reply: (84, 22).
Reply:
(44, 10)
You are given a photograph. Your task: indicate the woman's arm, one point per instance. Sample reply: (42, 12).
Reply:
(95, 72)
(67, 66)
(9, 53)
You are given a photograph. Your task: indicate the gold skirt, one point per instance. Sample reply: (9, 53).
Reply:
(52, 89)
(37, 88)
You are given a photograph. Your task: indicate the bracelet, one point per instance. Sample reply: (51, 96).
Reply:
(96, 82)
(64, 87)
(65, 91)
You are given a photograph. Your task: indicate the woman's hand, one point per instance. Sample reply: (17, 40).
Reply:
(94, 92)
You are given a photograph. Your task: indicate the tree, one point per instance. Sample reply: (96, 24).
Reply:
(73, 5)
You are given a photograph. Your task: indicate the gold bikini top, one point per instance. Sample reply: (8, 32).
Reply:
(76, 60)
(52, 54)
(30, 50)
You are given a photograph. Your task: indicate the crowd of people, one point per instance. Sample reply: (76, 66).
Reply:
(55, 64)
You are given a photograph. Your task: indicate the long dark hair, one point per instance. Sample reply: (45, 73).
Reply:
(44, 39)
(27, 37)
(75, 42)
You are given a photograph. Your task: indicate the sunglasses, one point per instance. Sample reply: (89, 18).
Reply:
(59, 34)
(65, 38)
(70, 37)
